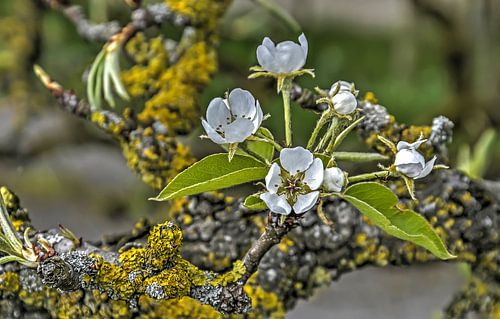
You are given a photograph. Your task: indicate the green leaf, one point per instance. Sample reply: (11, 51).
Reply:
(254, 202)
(8, 259)
(377, 202)
(8, 230)
(262, 148)
(5, 246)
(464, 159)
(482, 154)
(212, 173)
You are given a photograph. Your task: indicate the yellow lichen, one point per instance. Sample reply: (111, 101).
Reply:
(265, 304)
(206, 12)
(231, 276)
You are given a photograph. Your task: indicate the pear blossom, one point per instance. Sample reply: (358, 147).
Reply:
(334, 179)
(342, 95)
(344, 102)
(341, 86)
(410, 162)
(286, 57)
(234, 119)
(294, 183)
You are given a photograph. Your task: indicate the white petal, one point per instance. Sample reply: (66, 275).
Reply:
(268, 43)
(340, 86)
(334, 179)
(402, 145)
(344, 102)
(239, 130)
(273, 178)
(289, 57)
(242, 103)
(218, 114)
(409, 156)
(417, 144)
(427, 169)
(267, 59)
(405, 145)
(410, 170)
(295, 160)
(305, 202)
(212, 134)
(314, 174)
(304, 44)
(257, 120)
(276, 203)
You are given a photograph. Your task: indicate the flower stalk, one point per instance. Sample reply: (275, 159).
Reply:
(325, 116)
(368, 176)
(285, 92)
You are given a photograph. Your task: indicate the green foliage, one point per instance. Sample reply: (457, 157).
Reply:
(212, 173)
(475, 164)
(378, 203)
(262, 148)
(254, 202)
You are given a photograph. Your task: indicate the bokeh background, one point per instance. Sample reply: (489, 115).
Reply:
(422, 58)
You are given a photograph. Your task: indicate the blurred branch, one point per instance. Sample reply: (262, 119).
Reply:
(142, 18)
(429, 9)
(280, 13)
(100, 32)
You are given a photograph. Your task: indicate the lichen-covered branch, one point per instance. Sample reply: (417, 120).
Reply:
(272, 235)
(141, 277)
(224, 244)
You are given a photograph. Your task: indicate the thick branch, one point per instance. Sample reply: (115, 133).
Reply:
(272, 236)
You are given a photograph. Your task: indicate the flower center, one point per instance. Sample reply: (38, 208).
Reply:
(293, 184)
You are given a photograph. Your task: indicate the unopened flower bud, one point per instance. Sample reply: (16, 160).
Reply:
(344, 102)
(410, 162)
(333, 179)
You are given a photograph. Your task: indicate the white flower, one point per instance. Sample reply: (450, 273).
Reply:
(341, 86)
(294, 184)
(286, 57)
(234, 119)
(334, 179)
(344, 102)
(410, 162)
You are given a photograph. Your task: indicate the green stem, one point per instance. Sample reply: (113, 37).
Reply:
(285, 91)
(324, 139)
(336, 123)
(276, 145)
(319, 125)
(359, 156)
(368, 176)
(342, 135)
